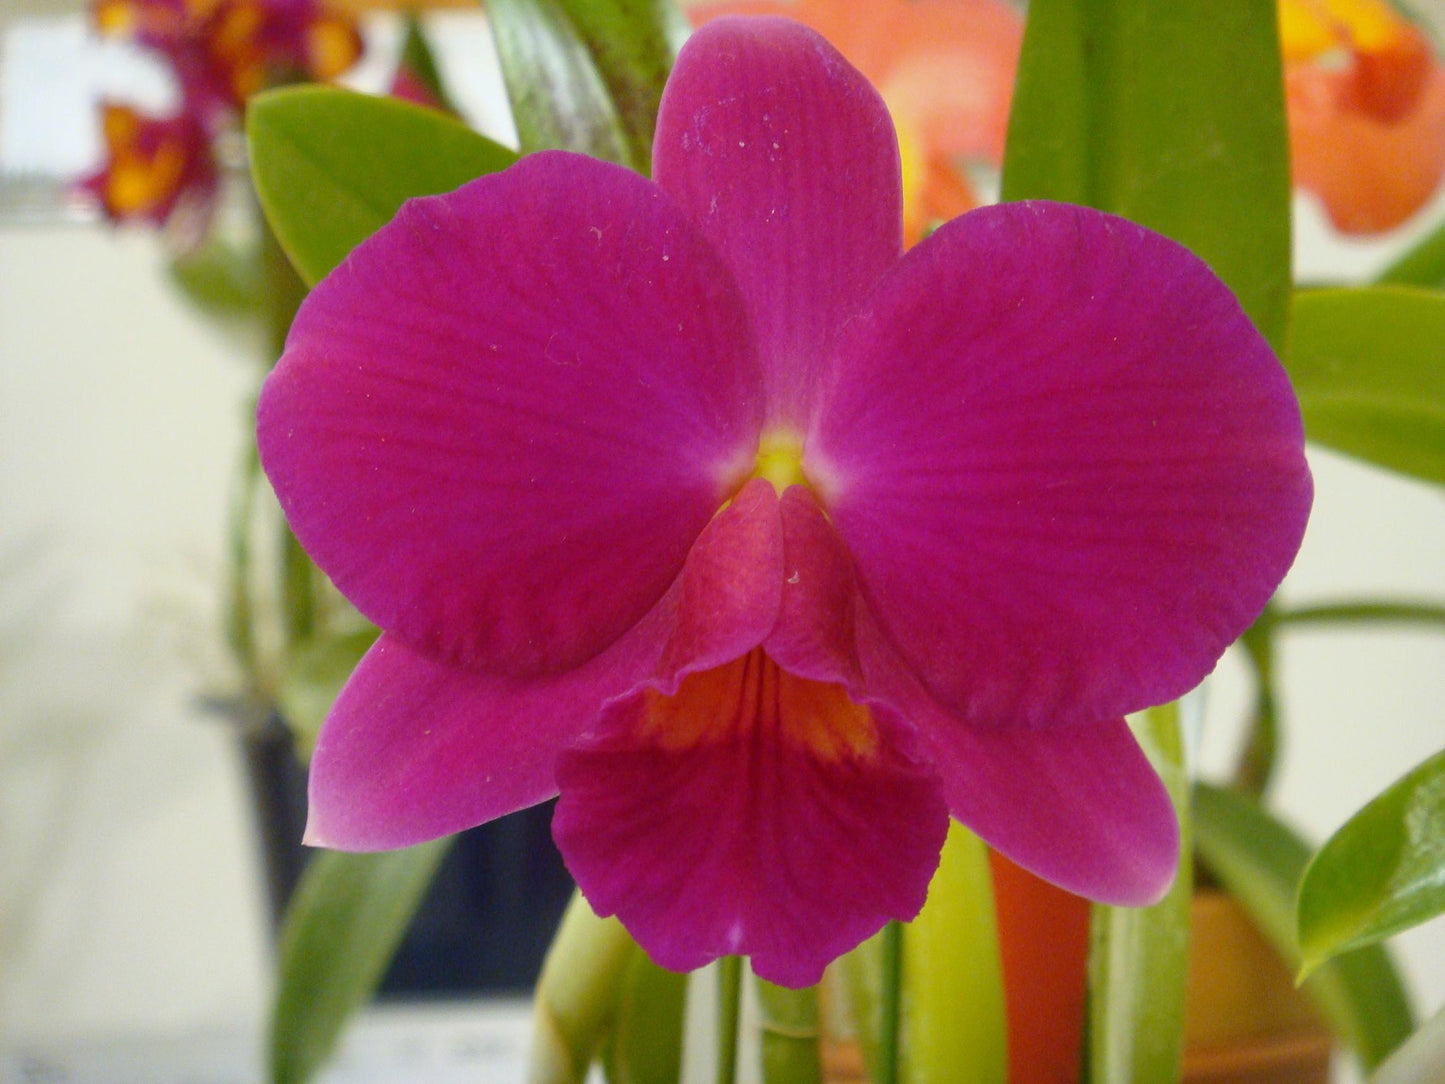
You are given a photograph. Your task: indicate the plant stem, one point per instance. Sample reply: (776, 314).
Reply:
(1412, 613)
(892, 1003)
(1256, 762)
(729, 1002)
(788, 1033)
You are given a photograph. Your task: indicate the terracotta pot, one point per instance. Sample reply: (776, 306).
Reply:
(1245, 1022)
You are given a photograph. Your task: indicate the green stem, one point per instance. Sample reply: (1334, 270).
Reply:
(300, 583)
(1410, 613)
(1255, 768)
(788, 1034)
(729, 1003)
(892, 1003)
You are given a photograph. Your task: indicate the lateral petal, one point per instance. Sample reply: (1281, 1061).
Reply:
(502, 422)
(785, 157)
(415, 749)
(1068, 469)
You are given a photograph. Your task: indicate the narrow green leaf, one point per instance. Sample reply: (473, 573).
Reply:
(1369, 369)
(729, 1012)
(1260, 862)
(890, 1016)
(345, 921)
(332, 167)
(1423, 265)
(646, 1040)
(1138, 958)
(1255, 769)
(559, 98)
(860, 976)
(954, 1024)
(576, 998)
(417, 59)
(788, 1039)
(1382, 872)
(311, 678)
(1421, 1060)
(633, 43)
(1134, 107)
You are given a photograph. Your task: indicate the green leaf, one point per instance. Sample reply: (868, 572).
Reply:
(633, 43)
(953, 1024)
(311, 678)
(1138, 957)
(788, 1026)
(418, 59)
(1423, 265)
(645, 1043)
(332, 167)
(221, 279)
(1369, 369)
(1381, 873)
(577, 994)
(1421, 1060)
(1260, 862)
(345, 921)
(559, 97)
(1134, 107)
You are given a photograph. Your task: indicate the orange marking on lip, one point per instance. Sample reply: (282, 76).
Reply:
(753, 694)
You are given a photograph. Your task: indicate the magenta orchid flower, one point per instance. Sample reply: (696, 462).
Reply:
(768, 546)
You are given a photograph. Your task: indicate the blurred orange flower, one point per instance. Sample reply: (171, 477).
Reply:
(946, 70)
(1366, 98)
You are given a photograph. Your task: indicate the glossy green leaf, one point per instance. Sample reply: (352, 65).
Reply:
(311, 678)
(645, 1043)
(577, 994)
(1259, 861)
(1382, 872)
(788, 1034)
(1138, 957)
(332, 167)
(1368, 366)
(1171, 113)
(559, 97)
(345, 921)
(633, 43)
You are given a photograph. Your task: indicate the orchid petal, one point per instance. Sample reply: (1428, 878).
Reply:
(1077, 804)
(502, 422)
(1068, 469)
(1370, 174)
(814, 635)
(415, 749)
(753, 812)
(730, 588)
(786, 158)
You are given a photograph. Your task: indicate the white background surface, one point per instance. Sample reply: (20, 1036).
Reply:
(129, 901)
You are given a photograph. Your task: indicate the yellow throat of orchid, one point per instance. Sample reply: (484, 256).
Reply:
(780, 460)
